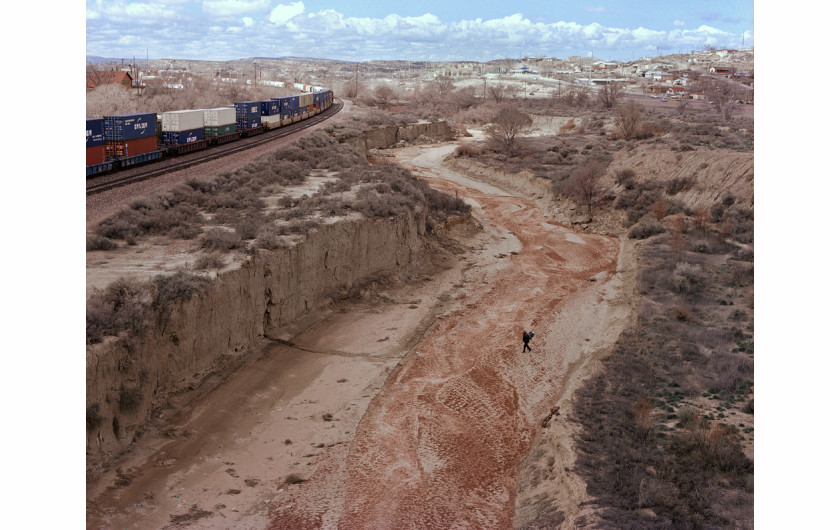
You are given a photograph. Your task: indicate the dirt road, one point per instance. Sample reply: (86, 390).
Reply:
(411, 414)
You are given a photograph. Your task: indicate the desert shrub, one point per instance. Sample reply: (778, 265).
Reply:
(179, 286)
(730, 370)
(221, 239)
(645, 228)
(678, 184)
(468, 150)
(95, 242)
(741, 275)
(687, 278)
(209, 261)
(130, 399)
(123, 305)
(152, 215)
(294, 478)
(93, 417)
(626, 177)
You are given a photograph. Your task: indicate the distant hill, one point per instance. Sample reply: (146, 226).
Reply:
(95, 59)
(290, 58)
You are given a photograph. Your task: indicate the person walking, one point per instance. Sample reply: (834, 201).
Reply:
(526, 338)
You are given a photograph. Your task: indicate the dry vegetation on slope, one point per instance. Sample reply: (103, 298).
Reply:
(666, 428)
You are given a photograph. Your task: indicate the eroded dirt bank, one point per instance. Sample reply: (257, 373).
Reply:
(213, 332)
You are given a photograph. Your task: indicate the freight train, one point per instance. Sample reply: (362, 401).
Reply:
(129, 139)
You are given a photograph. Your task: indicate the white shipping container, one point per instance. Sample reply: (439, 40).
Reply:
(182, 120)
(270, 119)
(219, 116)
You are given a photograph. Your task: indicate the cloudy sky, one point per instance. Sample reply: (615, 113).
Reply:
(429, 30)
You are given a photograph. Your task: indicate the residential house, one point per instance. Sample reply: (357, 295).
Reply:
(98, 77)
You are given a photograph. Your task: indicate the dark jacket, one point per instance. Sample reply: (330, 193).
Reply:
(526, 338)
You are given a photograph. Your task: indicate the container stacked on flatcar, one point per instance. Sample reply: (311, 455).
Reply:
(270, 113)
(220, 124)
(248, 116)
(285, 109)
(131, 138)
(182, 127)
(95, 147)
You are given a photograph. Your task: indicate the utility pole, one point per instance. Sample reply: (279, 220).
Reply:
(356, 91)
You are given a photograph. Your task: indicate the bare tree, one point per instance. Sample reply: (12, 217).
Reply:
(464, 97)
(585, 183)
(95, 77)
(609, 93)
(628, 119)
(442, 85)
(575, 96)
(723, 95)
(383, 95)
(500, 92)
(505, 127)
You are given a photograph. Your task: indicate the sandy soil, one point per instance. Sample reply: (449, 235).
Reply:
(417, 411)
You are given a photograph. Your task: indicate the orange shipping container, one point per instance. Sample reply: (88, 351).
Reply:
(128, 148)
(96, 155)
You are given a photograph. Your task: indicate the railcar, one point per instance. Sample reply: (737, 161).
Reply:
(125, 140)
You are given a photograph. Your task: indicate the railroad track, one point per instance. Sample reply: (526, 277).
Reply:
(215, 153)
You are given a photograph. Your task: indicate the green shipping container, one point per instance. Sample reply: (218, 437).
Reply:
(219, 130)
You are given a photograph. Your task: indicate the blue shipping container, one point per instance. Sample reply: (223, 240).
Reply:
(183, 137)
(250, 123)
(294, 102)
(246, 110)
(270, 107)
(95, 132)
(285, 103)
(130, 126)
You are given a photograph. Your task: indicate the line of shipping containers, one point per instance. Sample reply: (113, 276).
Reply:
(219, 121)
(128, 135)
(285, 109)
(247, 115)
(181, 127)
(270, 113)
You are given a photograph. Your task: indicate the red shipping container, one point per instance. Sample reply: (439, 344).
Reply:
(96, 155)
(128, 148)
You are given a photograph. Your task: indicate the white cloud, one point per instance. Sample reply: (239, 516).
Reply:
(224, 8)
(137, 11)
(329, 34)
(285, 12)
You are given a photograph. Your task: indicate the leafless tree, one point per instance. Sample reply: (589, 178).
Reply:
(609, 93)
(505, 127)
(585, 183)
(723, 94)
(442, 85)
(463, 97)
(575, 96)
(95, 77)
(383, 95)
(628, 117)
(500, 92)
